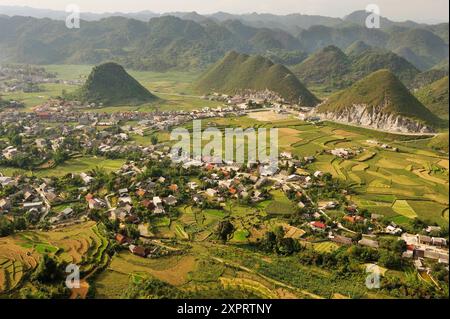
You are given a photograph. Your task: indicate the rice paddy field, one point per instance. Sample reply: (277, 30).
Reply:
(173, 89)
(74, 165)
(206, 272)
(410, 183)
(402, 185)
(82, 244)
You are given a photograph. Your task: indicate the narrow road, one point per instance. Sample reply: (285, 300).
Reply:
(273, 281)
(339, 225)
(178, 94)
(108, 204)
(48, 206)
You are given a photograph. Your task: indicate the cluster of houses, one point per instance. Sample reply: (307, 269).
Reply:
(24, 78)
(148, 249)
(345, 153)
(382, 145)
(224, 180)
(32, 200)
(420, 247)
(251, 99)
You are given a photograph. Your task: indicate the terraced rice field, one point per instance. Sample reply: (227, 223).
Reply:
(407, 175)
(81, 244)
(250, 285)
(173, 270)
(325, 247)
(15, 261)
(403, 208)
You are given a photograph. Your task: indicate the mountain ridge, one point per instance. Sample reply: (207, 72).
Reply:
(109, 84)
(237, 72)
(379, 101)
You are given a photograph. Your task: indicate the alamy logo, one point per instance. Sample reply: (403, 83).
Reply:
(73, 17)
(229, 145)
(373, 19)
(373, 277)
(73, 277)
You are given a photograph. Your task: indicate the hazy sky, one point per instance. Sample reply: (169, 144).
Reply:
(417, 10)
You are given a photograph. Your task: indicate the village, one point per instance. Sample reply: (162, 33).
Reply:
(140, 190)
(27, 78)
(150, 188)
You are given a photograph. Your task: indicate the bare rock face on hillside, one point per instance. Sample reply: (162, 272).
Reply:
(379, 101)
(375, 118)
(240, 72)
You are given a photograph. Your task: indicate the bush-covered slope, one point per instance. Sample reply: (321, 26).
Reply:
(333, 68)
(381, 91)
(329, 65)
(110, 84)
(435, 97)
(237, 72)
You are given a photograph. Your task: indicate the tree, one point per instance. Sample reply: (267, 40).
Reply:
(287, 246)
(49, 270)
(224, 230)
(390, 260)
(154, 139)
(132, 231)
(15, 139)
(60, 157)
(20, 223)
(6, 227)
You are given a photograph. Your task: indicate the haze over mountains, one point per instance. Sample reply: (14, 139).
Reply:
(289, 55)
(189, 40)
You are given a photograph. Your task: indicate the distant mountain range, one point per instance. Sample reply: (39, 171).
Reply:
(332, 68)
(238, 72)
(291, 22)
(180, 40)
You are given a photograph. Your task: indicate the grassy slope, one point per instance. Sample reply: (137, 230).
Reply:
(440, 142)
(373, 60)
(336, 69)
(435, 97)
(239, 71)
(380, 88)
(329, 63)
(110, 84)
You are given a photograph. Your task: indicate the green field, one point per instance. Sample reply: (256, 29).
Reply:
(173, 89)
(76, 165)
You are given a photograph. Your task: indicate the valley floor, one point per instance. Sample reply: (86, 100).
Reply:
(400, 177)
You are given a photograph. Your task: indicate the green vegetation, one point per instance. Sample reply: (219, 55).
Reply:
(328, 65)
(332, 69)
(110, 84)
(380, 89)
(435, 97)
(376, 59)
(423, 48)
(75, 165)
(237, 72)
(440, 142)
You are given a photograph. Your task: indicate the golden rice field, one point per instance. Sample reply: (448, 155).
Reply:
(81, 244)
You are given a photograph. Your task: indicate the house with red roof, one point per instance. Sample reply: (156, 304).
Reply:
(319, 226)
